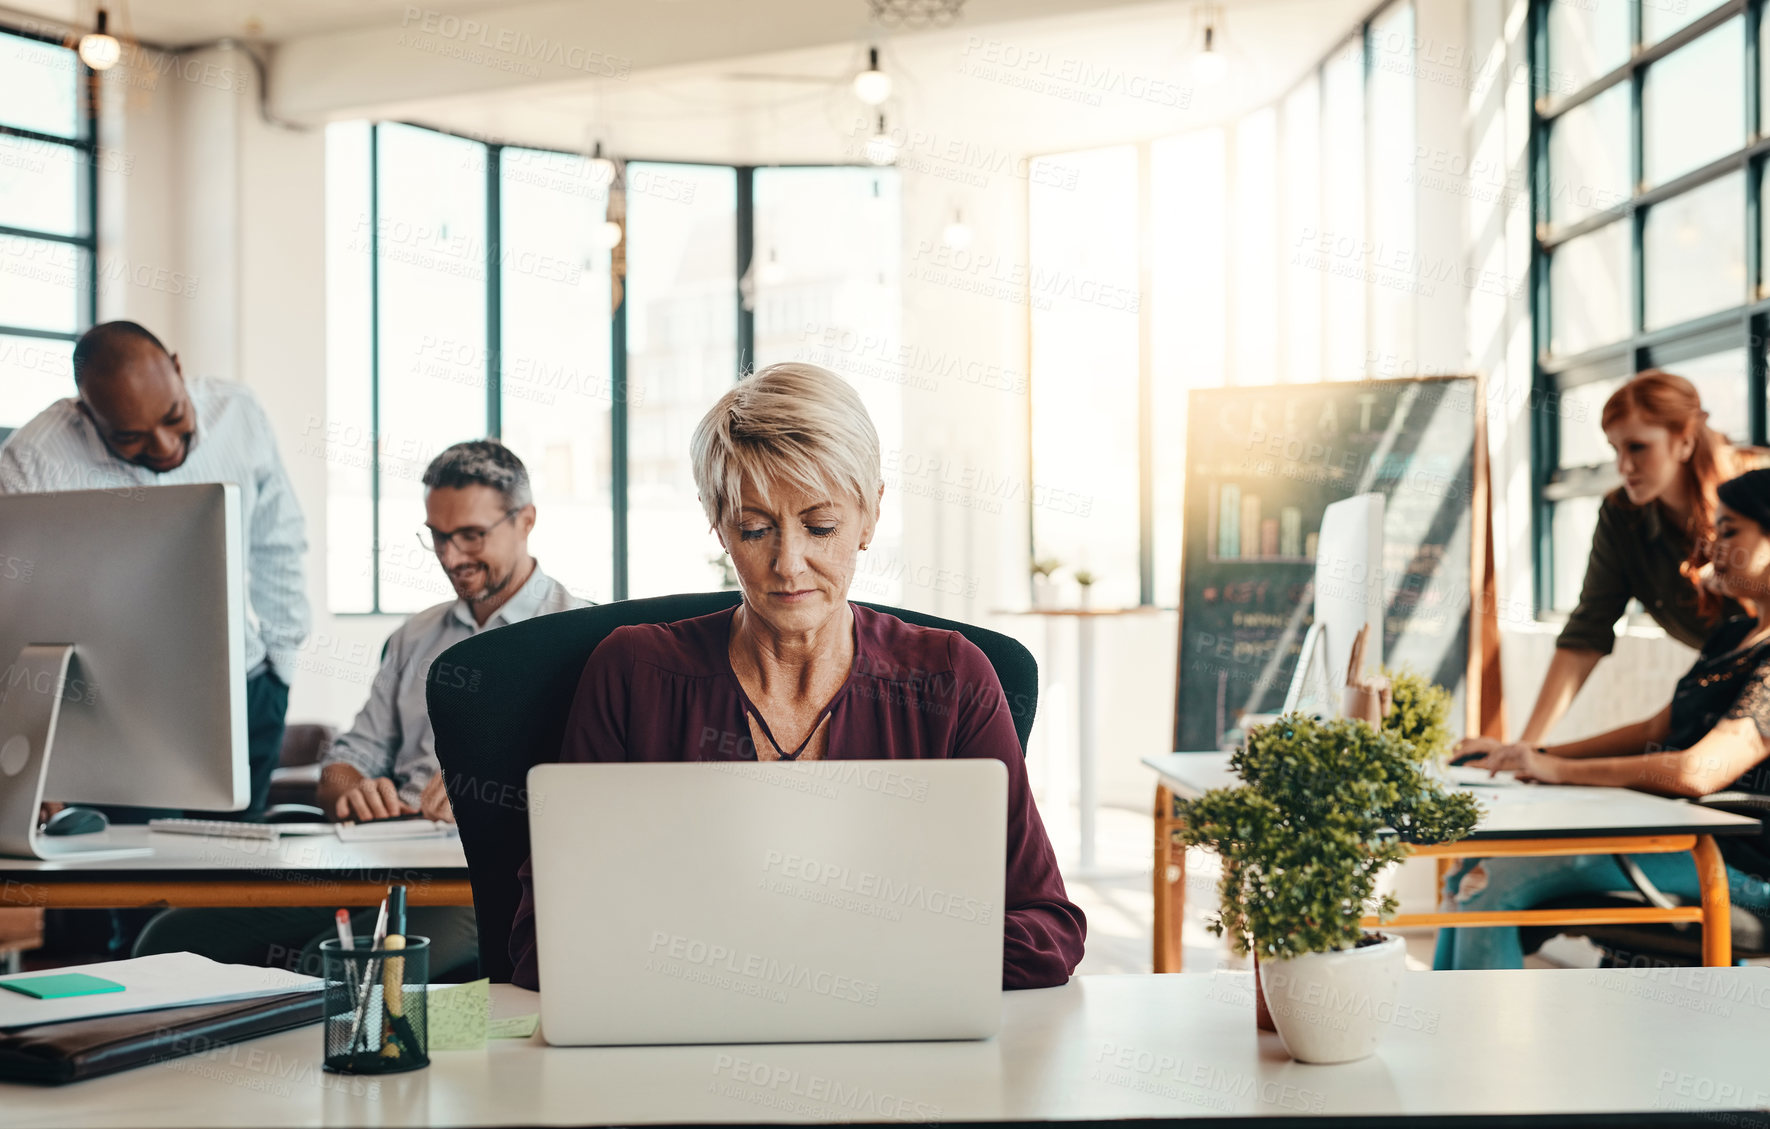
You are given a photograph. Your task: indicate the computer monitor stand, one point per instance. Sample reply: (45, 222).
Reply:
(30, 706)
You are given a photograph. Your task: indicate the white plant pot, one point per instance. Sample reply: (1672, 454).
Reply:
(1333, 1007)
(1044, 593)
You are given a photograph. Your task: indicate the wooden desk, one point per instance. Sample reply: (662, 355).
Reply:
(196, 870)
(1595, 1048)
(1535, 820)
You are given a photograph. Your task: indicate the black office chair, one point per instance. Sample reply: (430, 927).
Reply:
(1677, 944)
(498, 704)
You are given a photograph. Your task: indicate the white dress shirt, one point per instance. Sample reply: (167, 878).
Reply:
(392, 737)
(61, 450)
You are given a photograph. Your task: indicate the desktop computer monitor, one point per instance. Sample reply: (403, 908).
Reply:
(122, 654)
(1348, 596)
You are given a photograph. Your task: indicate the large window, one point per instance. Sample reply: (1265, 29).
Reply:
(1279, 248)
(1649, 177)
(473, 290)
(48, 188)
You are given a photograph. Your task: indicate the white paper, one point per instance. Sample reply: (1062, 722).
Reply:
(382, 831)
(150, 984)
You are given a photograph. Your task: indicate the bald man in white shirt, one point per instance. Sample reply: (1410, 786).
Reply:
(136, 421)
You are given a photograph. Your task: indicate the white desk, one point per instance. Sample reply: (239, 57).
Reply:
(197, 870)
(1502, 1044)
(1526, 820)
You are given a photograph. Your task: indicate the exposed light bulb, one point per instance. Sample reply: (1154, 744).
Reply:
(1209, 67)
(881, 149)
(608, 235)
(872, 85)
(100, 50)
(957, 234)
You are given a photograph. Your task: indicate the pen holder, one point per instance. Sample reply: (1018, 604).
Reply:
(375, 1019)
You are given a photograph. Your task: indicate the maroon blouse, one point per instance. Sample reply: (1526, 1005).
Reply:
(666, 692)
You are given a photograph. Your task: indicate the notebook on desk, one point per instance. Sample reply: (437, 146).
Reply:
(734, 902)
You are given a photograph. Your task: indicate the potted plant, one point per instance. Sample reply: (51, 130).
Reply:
(1323, 808)
(1419, 713)
(1044, 589)
(1086, 579)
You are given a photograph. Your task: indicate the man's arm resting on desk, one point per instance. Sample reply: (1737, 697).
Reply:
(347, 794)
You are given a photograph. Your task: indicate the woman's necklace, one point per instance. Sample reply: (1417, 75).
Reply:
(762, 724)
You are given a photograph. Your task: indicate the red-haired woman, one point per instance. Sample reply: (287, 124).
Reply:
(1651, 542)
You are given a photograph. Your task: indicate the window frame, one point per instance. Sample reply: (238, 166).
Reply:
(1743, 324)
(86, 145)
(745, 220)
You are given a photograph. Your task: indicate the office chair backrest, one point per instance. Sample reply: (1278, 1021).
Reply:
(498, 705)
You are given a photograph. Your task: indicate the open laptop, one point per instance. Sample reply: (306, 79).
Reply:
(722, 902)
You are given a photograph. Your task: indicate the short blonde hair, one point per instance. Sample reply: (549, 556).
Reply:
(797, 423)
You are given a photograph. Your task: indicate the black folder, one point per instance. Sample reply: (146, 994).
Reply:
(54, 1053)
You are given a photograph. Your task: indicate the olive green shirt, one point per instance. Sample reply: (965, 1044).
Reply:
(1636, 554)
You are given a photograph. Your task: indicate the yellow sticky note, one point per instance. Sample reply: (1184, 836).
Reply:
(513, 1027)
(458, 1014)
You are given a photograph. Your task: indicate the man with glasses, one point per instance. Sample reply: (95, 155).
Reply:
(479, 512)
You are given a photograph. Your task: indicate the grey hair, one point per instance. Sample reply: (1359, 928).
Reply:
(796, 423)
(482, 462)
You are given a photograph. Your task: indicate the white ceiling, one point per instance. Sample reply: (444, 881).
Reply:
(1030, 86)
(761, 81)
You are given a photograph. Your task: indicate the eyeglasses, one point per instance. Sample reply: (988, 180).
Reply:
(469, 540)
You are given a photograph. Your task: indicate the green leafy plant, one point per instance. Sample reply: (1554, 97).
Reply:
(1085, 578)
(1323, 807)
(1045, 566)
(1419, 713)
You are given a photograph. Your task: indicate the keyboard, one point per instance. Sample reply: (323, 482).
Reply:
(223, 828)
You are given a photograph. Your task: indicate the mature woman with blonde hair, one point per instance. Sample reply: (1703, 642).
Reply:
(788, 469)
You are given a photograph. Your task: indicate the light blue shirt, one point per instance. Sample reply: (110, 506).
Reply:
(60, 449)
(392, 737)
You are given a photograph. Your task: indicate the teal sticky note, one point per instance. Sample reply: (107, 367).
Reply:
(61, 986)
(457, 1015)
(513, 1027)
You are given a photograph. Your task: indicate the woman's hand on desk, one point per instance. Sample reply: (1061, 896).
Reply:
(1492, 754)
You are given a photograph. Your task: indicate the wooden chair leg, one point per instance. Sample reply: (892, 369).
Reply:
(1169, 877)
(1717, 907)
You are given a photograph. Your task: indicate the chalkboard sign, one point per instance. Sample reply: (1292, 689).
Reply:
(1261, 466)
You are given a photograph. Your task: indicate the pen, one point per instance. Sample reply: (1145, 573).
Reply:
(348, 943)
(357, 1029)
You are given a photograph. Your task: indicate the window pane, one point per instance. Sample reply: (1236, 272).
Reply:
(554, 362)
(1722, 381)
(1335, 254)
(1084, 374)
(1589, 157)
(1571, 525)
(433, 315)
(1256, 250)
(1300, 187)
(682, 355)
(42, 284)
(1693, 104)
(1695, 252)
(1582, 434)
(1659, 18)
(1589, 290)
(1391, 149)
(34, 373)
(1763, 282)
(345, 443)
(828, 249)
(1188, 176)
(1587, 38)
(39, 87)
(40, 185)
